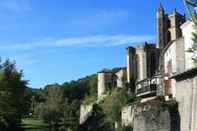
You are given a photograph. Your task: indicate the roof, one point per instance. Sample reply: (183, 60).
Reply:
(143, 45)
(170, 43)
(186, 23)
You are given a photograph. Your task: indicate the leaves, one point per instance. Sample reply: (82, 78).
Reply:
(194, 46)
(12, 95)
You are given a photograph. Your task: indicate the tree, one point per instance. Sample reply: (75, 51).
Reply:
(12, 94)
(71, 114)
(194, 47)
(51, 111)
(97, 121)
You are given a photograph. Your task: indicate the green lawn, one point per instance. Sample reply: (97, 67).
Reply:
(30, 123)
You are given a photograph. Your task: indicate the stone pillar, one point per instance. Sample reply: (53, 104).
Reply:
(121, 77)
(131, 64)
(101, 84)
(141, 63)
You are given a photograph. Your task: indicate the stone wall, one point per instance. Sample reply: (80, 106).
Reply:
(156, 116)
(186, 95)
(131, 64)
(127, 116)
(85, 112)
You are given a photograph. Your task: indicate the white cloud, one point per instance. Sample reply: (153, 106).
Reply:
(86, 41)
(15, 6)
(98, 19)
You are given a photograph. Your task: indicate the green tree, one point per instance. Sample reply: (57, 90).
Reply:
(71, 114)
(51, 111)
(194, 47)
(12, 95)
(97, 121)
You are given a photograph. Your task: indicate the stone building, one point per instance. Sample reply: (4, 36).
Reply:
(168, 30)
(174, 62)
(168, 59)
(142, 62)
(108, 79)
(142, 66)
(105, 80)
(121, 77)
(177, 59)
(179, 71)
(185, 82)
(162, 69)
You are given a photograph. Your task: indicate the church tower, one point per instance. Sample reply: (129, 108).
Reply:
(176, 20)
(161, 27)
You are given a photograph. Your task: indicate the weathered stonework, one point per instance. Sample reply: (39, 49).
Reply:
(168, 26)
(174, 63)
(168, 30)
(121, 77)
(127, 116)
(105, 79)
(154, 116)
(85, 112)
(131, 64)
(142, 62)
(186, 96)
(187, 29)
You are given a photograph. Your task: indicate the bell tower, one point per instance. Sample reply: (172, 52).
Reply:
(160, 27)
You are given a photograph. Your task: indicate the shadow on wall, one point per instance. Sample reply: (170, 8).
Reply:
(175, 120)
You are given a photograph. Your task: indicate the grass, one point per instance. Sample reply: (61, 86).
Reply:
(90, 99)
(31, 123)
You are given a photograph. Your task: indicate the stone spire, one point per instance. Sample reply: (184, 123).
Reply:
(160, 7)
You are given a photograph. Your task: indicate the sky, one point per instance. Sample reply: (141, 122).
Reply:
(54, 41)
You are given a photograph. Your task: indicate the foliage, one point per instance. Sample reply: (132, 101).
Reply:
(12, 95)
(90, 99)
(97, 121)
(52, 109)
(44, 102)
(81, 88)
(114, 102)
(107, 112)
(194, 47)
(30, 123)
(84, 90)
(71, 115)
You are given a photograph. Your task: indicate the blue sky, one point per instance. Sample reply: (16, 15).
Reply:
(63, 40)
